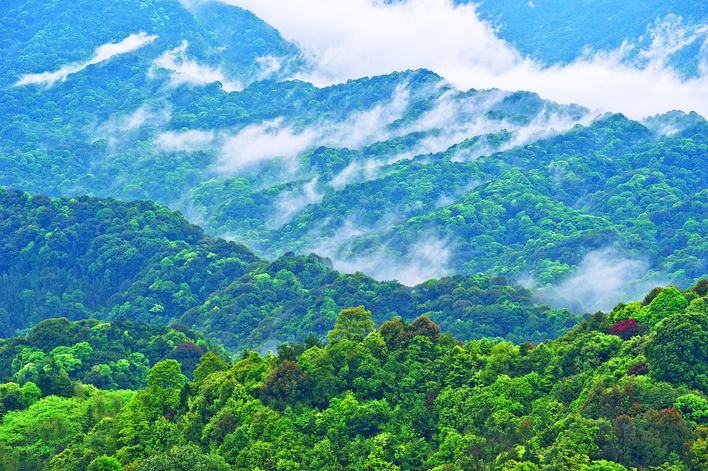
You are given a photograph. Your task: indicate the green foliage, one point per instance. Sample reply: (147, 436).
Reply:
(678, 353)
(495, 201)
(140, 257)
(669, 301)
(537, 209)
(352, 324)
(165, 375)
(403, 397)
(104, 463)
(525, 217)
(184, 458)
(111, 355)
(557, 31)
(33, 436)
(400, 397)
(220, 288)
(693, 408)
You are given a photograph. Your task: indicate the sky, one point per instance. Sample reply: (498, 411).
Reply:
(356, 38)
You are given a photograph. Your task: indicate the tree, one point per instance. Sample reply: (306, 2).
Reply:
(671, 430)
(164, 381)
(678, 352)
(313, 340)
(395, 333)
(166, 375)
(625, 329)
(425, 327)
(104, 463)
(184, 458)
(188, 355)
(669, 301)
(603, 465)
(286, 385)
(352, 324)
(625, 436)
(693, 408)
(208, 364)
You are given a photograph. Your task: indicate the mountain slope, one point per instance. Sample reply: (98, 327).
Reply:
(402, 176)
(553, 31)
(46, 36)
(611, 394)
(91, 257)
(540, 210)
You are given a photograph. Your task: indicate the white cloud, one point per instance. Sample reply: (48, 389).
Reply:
(261, 142)
(185, 70)
(459, 119)
(669, 36)
(602, 277)
(455, 119)
(366, 127)
(273, 139)
(287, 204)
(268, 65)
(428, 258)
(102, 53)
(356, 171)
(115, 129)
(355, 38)
(191, 140)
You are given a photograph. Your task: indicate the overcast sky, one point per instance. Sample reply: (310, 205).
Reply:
(356, 38)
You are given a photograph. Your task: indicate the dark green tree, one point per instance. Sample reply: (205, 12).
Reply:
(678, 353)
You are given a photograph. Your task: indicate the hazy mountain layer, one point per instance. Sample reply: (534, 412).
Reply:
(90, 257)
(193, 42)
(402, 175)
(555, 31)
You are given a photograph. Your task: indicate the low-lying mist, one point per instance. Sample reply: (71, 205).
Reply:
(366, 37)
(185, 70)
(602, 279)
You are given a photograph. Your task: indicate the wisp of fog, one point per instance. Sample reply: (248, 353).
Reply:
(102, 53)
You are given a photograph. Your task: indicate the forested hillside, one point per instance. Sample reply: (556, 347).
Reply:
(223, 248)
(44, 37)
(400, 176)
(537, 210)
(92, 257)
(624, 390)
(554, 30)
(108, 355)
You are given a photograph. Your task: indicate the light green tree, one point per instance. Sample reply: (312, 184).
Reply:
(166, 375)
(352, 324)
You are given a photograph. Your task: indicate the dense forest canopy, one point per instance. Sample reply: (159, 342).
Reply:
(401, 170)
(554, 30)
(104, 258)
(624, 390)
(213, 258)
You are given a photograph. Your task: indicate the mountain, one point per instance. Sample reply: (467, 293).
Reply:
(539, 210)
(183, 39)
(379, 231)
(554, 31)
(84, 257)
(201, 106)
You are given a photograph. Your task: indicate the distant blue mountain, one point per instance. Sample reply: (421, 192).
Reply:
(553, 31)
